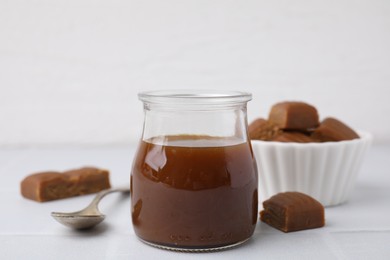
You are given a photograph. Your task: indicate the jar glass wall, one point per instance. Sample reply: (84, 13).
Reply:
(194, 177)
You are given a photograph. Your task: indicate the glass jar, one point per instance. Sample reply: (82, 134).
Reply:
(194, 178)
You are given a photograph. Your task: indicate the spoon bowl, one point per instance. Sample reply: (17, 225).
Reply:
(87, 217)
(76, 220)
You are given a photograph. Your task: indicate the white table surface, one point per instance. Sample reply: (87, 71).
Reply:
(358, 229)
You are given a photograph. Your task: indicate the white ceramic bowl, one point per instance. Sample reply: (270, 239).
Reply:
(326, 171)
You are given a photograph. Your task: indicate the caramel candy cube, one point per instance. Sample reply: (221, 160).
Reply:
(261, 129)
(332, 129)
(293, 137)
(293, 211)
(294, 116)
(46, 186)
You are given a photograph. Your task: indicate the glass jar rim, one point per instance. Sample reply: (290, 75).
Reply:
(194, 97)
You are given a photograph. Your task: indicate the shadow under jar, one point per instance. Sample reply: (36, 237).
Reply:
(194, 178)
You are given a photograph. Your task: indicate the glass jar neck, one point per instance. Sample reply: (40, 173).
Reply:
(196, 113)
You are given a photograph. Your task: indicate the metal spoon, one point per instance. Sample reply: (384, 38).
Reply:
(87, 217)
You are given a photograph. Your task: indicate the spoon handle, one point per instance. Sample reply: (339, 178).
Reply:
(103, 193)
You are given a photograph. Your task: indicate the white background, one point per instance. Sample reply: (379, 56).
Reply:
(70, 70)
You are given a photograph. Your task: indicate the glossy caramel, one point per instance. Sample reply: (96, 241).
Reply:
(194, 192)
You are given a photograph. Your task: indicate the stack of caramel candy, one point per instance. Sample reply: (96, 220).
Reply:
(299, 122)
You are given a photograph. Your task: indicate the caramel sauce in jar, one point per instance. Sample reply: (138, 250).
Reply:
(194, 192)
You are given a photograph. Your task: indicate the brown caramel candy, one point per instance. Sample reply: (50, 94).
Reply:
(293, 137)
(261, 129)
(293, 211)
(294, 116)
(47, 186)
(332, 129)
